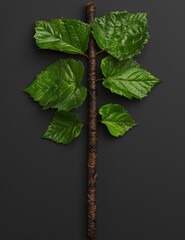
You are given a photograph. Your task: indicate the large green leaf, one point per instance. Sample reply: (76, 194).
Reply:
(66, 35)
(58, 86)
(116, 118)
(64, 127)
(126, 78)
(121, 34)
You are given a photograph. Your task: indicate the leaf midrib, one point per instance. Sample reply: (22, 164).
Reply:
(129, 80)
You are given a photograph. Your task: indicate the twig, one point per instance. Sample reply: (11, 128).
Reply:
(92, 130)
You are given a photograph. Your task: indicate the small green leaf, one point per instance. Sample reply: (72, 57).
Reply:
(66, 35)
(58, 86)
(64, 127)
(121, 34)
(126, 78)
(116, 118)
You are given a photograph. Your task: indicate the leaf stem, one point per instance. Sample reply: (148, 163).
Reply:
(92, 130)
(86, 55)
(99, 79)
(100, 51)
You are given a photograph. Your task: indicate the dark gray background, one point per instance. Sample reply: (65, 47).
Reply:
(141, 177)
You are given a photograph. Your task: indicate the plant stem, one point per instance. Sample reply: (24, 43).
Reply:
(92, 130)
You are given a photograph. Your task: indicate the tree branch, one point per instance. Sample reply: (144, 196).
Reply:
(92, 130)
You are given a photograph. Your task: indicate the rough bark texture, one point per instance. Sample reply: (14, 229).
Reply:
(92, 130)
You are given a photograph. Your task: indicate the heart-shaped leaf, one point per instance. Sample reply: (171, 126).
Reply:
(58, 86)
(116, 118)
(121, 34)
(64, 127)
(126, 78)
(66, 35)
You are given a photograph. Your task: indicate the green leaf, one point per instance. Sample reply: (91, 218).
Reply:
(126, 78)
(58, 86)
(121, 34)
(64, 127)
(116, 118)
(66, 35)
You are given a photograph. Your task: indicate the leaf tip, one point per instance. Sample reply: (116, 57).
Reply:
(44, 135)
(160, 81)
(26, 89)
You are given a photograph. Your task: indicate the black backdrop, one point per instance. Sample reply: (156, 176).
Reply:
(141, 177)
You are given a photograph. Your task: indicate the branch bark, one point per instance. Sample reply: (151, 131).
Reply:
(92, 130)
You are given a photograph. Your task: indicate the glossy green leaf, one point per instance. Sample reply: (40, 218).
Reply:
(121, 34)
(116, 118)
(64, 127)
(66, 35)
(126, 78)
(58, 86)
